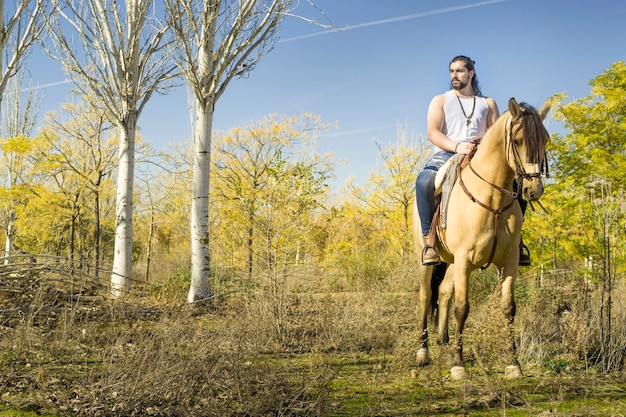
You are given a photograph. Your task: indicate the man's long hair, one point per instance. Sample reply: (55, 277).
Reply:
(469, 64)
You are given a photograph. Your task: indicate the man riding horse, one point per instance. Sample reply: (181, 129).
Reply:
(484, 210)
(456, 120)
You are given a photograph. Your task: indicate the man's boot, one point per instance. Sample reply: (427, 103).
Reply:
(430, 255)
(524, 254)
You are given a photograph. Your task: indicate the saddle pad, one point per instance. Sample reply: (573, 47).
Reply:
(446, 184)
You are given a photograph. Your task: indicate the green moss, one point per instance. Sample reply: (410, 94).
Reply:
(373, 385)
(7, 412)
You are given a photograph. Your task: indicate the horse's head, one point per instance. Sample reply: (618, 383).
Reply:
(527, 139)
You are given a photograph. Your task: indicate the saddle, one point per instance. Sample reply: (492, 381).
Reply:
(444, 181)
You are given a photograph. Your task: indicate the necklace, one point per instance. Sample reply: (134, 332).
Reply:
(467, 118)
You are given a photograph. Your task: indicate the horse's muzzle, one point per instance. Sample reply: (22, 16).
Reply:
(532, 189)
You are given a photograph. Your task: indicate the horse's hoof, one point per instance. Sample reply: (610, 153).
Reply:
(459, 373)
(423, 358)
(512, 372)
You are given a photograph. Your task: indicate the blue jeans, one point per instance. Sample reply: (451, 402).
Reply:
(425, 188)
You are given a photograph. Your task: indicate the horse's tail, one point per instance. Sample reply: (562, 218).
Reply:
(439, 272)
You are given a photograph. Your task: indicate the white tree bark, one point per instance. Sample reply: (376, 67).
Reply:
(220, 40)
(123, 61)
(200, 262)
(122, 260)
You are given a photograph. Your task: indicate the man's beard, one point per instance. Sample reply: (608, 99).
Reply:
(461, 85)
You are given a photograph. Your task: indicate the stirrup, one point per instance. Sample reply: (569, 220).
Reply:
(524, 255)
(430, 256)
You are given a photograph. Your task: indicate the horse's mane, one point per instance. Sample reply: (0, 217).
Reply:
(535, 134)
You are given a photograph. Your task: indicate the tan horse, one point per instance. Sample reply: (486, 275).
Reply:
(484, 223)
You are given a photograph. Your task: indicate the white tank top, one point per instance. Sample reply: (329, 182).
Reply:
(455, 124)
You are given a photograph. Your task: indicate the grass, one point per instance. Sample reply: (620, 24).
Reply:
(307, 353)
(372, 386)
(5, 412)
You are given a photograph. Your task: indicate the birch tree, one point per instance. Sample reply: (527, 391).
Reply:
(121, 60)
(20, 28)
(221, 40)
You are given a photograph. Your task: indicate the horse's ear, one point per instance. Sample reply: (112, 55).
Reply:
(514, 108)
(545, 108)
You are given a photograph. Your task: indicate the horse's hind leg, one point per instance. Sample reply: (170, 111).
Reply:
(507, 304)
(461, 311)
(446, 289)
(435, 290)
(425, 300)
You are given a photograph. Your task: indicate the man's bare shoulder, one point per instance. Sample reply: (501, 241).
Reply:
(491, 102)
(493, 107)
(439, 99)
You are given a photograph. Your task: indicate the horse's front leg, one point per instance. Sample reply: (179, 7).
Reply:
(507, 304)
(461, 311)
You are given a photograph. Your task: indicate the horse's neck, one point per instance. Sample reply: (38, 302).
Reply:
(490, 162)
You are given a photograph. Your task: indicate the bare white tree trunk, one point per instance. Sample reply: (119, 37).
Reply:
(122, 260)
(10, 232)
(200, 264)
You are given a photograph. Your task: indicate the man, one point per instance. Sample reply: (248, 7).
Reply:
(455, 121)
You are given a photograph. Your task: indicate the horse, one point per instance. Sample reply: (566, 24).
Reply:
(483, 227)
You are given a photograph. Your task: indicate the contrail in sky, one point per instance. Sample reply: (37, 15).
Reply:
(39, 87)
(395, 19)
(360, 25)
(354, 132)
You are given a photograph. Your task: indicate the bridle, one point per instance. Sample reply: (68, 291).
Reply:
(520, 176)
(520, 172)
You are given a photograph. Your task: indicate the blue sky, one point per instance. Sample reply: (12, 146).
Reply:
(389, 58)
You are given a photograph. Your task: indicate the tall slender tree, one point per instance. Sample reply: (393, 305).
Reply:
(122, 60)
(220, 40)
